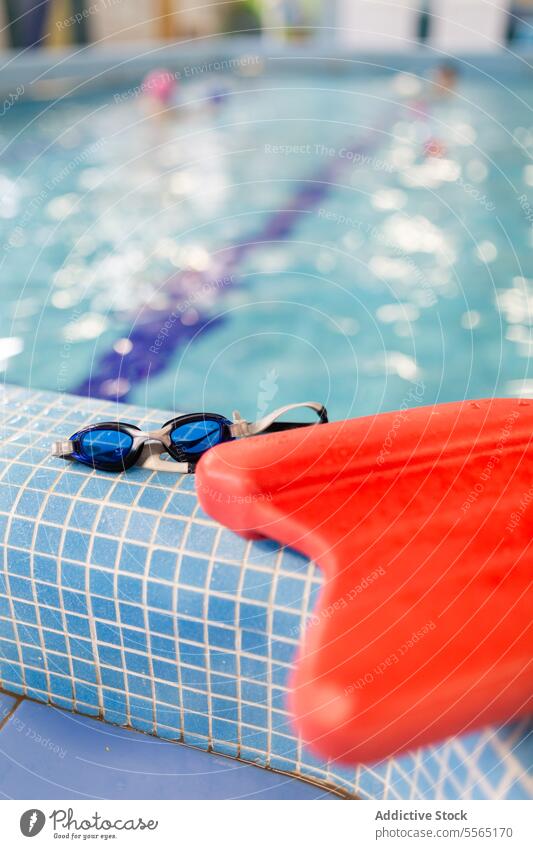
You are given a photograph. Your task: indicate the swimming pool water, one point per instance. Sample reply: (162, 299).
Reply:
(293, 241)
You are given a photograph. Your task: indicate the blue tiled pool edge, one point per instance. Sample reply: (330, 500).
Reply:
(120, 599)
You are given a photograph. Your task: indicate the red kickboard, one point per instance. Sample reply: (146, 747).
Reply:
(422, 522)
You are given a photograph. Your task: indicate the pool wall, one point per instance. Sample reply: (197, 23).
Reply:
(121, 599)
(92, 66)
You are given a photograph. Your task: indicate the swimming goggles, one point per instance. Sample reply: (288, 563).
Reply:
(117, 446)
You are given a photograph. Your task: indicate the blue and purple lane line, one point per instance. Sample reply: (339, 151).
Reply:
(158, 333)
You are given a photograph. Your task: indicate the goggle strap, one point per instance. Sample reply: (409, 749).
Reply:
(268, 422)
(151, 459)
(62, 449)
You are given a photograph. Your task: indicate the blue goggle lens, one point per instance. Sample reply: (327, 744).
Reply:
(196, 437)
(106, 446)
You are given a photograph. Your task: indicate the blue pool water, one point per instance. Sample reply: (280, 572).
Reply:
(293, 241)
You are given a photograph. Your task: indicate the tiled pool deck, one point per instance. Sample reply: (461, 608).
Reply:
(120, 599)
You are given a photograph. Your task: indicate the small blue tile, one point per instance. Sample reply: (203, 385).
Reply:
(188, 629)
(141, 526)
(104, 608)
(252, 691)
(133, 558)
(115, 706)
(78, 626)
(222, 638)
(222, 686)
(292, 561)
(21, 588)
(166, 693)
(221, 610)
(58, 663)
(8, 652)
(102, 583)
(21, 533)
(169, 532)
(108, 655)
(132, 615)
(196, 724)
(225, 578)
(51, 618)
(113, 678)
(225, 709)
(201, 538)
(135, 640)
(230, 546)
(18, 474)
(112, 521)
(182, 504)
(254, 715)
(152, 498)
(289, 592)
(29, 503)
(165, 671)
(254, 668)
(45, 568)
(225, 662)
(137, 663)
(196, 678)
(47, 479)
(72, 576)
(190, 603)
(36, 680)
(253, 642)
(252, 617)
(48, 596)
(253, 739)
(257, 585)
(68, 483)
(83, 516)
(162, 647)
(285, 624)
(84, 671)
(55, 642)
(139, 686)
(284, 652)
(160, 595)
(97, 488)
(104, 552)
(85, 693)
(56, 509)
(32, 656)
(193, 571)
(191, 654)
(142, 712)
(61, 686)
(25, 612)
(48, 539)
(163, 564)
(130, 589)
(76, 546)
(18, 562)
(160, 623)
(124, 493)
(227, 731)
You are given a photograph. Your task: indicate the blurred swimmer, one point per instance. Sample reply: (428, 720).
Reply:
(445, 80)
(444, 84)
(217, 95)
(160, 87)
